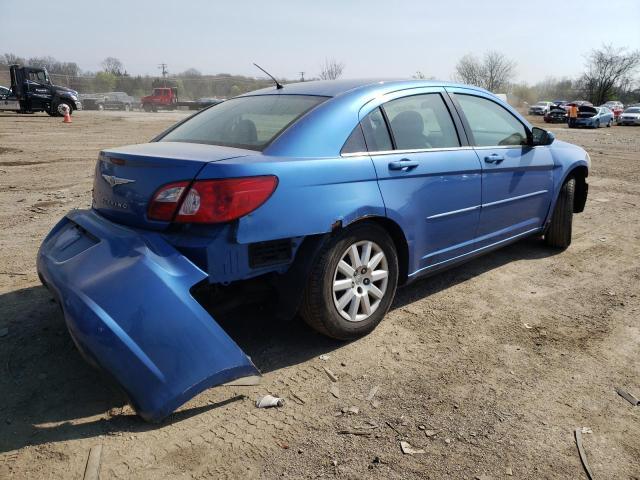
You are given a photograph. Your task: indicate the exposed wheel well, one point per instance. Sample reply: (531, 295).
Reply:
(580, 198)
(399, 241)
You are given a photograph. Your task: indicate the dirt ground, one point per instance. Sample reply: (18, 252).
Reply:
(488, 367)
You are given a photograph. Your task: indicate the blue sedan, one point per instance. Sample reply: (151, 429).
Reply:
(594, 117)
(329, 195)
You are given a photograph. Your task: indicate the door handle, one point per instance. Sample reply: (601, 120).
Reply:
(494, 158)
(405, 165)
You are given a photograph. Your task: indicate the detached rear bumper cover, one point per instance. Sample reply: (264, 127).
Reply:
(127, 304)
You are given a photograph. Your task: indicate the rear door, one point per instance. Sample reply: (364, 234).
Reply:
(517, 181)
(429, 178)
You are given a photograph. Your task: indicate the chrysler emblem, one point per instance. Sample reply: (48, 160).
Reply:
(113, 180)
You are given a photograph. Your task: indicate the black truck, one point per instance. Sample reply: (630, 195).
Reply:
(32, 91)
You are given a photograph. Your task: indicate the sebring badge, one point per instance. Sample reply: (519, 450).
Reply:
(114, 181)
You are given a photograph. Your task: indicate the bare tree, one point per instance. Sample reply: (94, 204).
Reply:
(191, 73)
(331, 69)
(494, 72)
(469, 70)
(11, 58)
(113, 65)
(608, 70)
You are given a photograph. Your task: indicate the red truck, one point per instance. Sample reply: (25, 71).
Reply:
(166, 98)
(161, 98)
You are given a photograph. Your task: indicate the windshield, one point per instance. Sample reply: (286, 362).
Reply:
(632, 110)
(244, 122)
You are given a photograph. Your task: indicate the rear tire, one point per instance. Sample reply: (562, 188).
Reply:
(597, 125)
(558, 234)
(609, 123)
(375, 277)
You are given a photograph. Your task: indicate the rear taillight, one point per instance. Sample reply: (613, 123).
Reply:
(211, 201)
(165, 201)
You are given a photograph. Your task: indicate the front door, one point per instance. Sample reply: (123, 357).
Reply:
(38, 90)
(517, 178)
(429, 180)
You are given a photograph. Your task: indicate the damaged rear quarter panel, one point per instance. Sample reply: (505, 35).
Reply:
(312, 194)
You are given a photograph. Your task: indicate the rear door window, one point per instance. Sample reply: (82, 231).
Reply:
(376, 133)
(421, 122)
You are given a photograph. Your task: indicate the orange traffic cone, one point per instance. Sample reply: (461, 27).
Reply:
(67, 113)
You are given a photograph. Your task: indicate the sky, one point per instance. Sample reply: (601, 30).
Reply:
(372, 38)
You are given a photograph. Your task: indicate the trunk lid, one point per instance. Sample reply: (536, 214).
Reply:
(126, 178)
(585, 111)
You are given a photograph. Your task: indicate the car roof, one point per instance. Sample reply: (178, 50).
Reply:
(333, 88)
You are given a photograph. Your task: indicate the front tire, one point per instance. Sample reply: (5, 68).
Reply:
(352, 283)
(58, 109)
(558, 234)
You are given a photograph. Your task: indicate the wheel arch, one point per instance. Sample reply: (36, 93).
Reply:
(580, 173)
(399, 240)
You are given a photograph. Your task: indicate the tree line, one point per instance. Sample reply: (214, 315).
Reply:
(608, 75)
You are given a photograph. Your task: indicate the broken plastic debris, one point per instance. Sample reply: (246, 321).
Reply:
(334, 391)
(582, 453)
(269, 401)
(372, 393)
(526, 325)
(407, 449)
(324, 357)
(627, 396)
(586, 430)
(330, 374)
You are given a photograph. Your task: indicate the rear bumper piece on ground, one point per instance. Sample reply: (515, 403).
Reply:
(126, 301)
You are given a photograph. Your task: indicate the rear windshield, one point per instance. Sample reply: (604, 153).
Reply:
(244, 122)
(632, 110)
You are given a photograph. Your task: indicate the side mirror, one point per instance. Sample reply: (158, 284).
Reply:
(540, 136)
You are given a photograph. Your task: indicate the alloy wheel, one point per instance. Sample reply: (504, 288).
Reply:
(360, 281)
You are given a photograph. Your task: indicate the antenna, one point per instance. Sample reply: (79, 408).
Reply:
(278, 85)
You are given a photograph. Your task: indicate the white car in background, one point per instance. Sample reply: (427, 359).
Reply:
(631, 116)
(540, 108)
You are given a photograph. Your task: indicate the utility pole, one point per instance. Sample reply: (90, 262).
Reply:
(302, 76)
(163, 67)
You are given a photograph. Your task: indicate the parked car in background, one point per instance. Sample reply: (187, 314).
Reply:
(579, 103)
(540, 108)
(108, 101)
(594, 117)
(8, 101)
(208, 101)
(631, 116)
(90, 100)
(327, 194)
(616, 107)
(557, 114)
(116, 101)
